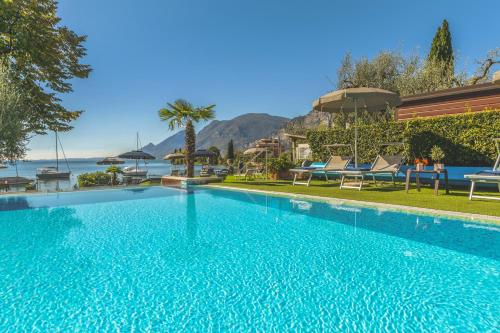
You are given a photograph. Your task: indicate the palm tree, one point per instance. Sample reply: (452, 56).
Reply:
(114, 170)
(182, 113)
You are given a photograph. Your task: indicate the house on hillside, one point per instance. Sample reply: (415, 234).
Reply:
(474, 98)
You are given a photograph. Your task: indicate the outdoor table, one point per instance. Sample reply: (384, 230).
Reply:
(435, 173)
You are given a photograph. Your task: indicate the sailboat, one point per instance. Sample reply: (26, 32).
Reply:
(138, 154)
(52, 172)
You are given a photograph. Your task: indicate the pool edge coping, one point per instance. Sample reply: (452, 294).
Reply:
(471, 217)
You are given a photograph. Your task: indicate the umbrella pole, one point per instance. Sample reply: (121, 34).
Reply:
(355, 133)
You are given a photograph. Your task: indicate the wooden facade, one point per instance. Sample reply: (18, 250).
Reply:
(475, 98)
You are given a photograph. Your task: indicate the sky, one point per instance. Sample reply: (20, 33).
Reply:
(260, 56)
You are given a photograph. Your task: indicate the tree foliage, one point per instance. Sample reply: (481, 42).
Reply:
(14, 130)
(230, 150)
(182, 113)
(216, 152)
(395, 72)
(409, 75)
(483, 72)
(114, 170)
(44, 56)
(466, 139)
(441, 51)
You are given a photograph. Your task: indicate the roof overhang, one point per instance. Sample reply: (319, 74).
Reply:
(483, 89)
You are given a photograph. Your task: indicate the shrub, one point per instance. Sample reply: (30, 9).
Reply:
(114, 170)
(465, 139)
(279, 166)
(94, 179)
(437, 154)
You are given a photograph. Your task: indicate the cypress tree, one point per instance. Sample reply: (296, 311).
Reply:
(230, 150)
(442, 49)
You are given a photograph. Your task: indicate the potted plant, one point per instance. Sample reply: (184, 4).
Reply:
(421, 163)
(437, 155)
(279, 167)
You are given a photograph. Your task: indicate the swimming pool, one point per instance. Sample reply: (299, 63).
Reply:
(162, 259)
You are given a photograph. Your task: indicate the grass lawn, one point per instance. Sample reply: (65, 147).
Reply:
(457, 200)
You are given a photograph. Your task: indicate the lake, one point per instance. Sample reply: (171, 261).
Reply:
(77, 167)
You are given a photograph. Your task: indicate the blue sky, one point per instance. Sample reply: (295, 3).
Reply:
(245, 56)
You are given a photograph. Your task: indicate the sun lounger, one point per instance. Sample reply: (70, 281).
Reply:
(252, 173)
(486, 176)
(334, 164)
(383, 165)
(206, 171)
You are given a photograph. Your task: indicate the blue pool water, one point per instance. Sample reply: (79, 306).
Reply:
(157, 259)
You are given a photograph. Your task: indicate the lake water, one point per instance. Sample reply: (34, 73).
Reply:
(77, 167)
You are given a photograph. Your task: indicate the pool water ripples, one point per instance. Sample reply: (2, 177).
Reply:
(215, 260)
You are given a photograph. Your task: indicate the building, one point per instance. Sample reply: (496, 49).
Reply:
(474, 98)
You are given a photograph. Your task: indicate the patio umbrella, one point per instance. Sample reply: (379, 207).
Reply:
(111, 161)
(352, 99)
(257, 151)
(251, 151)
(496, 77)
(137, 155)
(173, 156)
(203, 153)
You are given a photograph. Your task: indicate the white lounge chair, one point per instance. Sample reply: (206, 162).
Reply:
(334, 164)
(486, 176)
(383, 165)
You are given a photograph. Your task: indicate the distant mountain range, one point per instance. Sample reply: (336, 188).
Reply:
(243, 130)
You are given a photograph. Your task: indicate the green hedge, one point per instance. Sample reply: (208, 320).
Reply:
(94, 179)
(466, 139)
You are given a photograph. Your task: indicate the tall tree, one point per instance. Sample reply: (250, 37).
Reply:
(13, 129)
(230, 150)
(441, 51)
(44, 56)
(181, 113)
(483, 72)
(216, 152)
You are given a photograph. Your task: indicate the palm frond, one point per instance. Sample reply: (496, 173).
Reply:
(178, 113)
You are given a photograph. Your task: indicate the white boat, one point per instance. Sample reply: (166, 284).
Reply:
(51, 172)
(2, 166)
(138, 154)
(134, 171)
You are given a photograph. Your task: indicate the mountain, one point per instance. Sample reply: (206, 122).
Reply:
(312, 120)
(166, 146)
(243, 129)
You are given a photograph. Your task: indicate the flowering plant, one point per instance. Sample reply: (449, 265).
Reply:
(423, 161)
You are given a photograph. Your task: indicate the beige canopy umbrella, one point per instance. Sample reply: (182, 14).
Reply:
(251, 151)
(257, 151)
(173, 156)
(496, 77)
(352, 99)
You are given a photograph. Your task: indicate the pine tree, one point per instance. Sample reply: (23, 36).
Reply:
(230, 150)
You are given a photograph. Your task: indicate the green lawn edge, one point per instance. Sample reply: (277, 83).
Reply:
(386, 193)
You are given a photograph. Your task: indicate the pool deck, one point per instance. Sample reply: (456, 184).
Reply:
(184, 182)
(401, 208)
